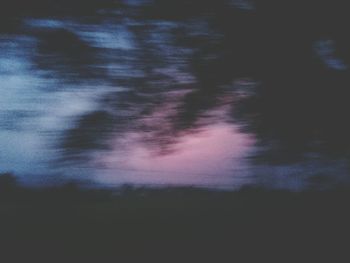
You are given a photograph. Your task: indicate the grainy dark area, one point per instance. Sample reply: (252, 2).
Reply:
(192, 225)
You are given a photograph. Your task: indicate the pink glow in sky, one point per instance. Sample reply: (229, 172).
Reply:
(212, 156)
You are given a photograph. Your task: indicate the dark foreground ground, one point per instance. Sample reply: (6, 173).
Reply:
(68, 224)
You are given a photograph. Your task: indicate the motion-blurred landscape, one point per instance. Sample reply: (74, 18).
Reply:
(132, 126)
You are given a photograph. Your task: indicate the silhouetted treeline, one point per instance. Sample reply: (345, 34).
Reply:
(132, 224)
(296, 51)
